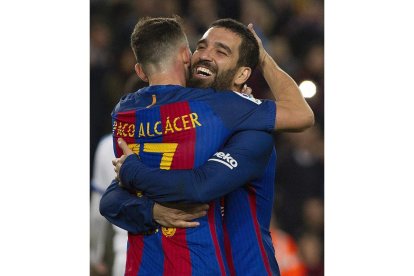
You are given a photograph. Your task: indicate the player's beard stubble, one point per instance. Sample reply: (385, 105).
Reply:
(222, 80)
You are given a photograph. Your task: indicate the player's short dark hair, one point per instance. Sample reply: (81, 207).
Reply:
(249, 48)
(154, 39)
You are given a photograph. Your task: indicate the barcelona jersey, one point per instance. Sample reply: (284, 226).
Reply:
(247, 213)
(173, 127)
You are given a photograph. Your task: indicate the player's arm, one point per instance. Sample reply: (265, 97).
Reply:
(126, 210)
(142, 215)
(293, 112)
(243, 158)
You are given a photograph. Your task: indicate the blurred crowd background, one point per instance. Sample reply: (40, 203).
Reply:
(293, 34)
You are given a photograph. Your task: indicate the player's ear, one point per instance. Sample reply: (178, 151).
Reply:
(140, 72)
(186, 55)
(242, 75)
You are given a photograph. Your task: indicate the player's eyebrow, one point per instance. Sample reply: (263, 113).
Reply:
(217, 44)
(202, 41)
(224, 46)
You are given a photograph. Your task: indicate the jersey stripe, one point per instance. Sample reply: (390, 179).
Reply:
(153, 258)
(252, 203)
(177, 253)
(184, 155)
(229, 253)
(124, 129)
(211, 223)
(134, 254)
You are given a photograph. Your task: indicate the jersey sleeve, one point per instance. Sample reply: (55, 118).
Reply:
(126, 210)
(243, 158)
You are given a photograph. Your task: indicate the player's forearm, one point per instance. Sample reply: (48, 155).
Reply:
(190, 186)
(159, 185)
(127, 211)
(201, 185)
(288, 97)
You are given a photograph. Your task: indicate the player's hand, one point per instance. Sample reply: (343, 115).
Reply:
(124, 147)
(262, 52)
(179, 216)
(246, 90)
(117, 162)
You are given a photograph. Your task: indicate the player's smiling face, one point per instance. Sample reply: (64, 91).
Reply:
(214, 61)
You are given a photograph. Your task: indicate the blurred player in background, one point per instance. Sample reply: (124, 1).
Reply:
(102, 176)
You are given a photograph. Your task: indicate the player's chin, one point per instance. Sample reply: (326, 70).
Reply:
(201, 80)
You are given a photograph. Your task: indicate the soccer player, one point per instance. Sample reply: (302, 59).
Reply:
(197, 112)
(247, 210)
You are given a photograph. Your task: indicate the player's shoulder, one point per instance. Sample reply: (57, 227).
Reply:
(218, 96)
(248, 97)
(197, 93)
(234, 98)
(129, 100)
(134, 96)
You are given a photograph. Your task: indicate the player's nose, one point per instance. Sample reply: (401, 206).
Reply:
(206, 55)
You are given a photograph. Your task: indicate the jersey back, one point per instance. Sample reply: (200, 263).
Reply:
(172, 127)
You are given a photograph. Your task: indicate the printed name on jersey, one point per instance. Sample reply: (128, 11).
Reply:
(149, 129)
(249, 97)
(225, 159)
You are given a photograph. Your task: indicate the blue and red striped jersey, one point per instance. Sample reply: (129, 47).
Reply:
(242, 159)
(173, 127)
(247, 213)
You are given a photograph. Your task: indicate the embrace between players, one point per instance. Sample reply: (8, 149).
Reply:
(196, 162)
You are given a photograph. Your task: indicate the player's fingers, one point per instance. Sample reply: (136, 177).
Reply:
(191, 214)
(118, 168)
(186, 224)
(250, 27)
(259, 41)
(114, 161)
(123, 145)
(122, 159)
(246, 89)
(195, 215)
(200, 207)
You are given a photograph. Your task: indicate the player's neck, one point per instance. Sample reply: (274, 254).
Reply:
(173, 74)
(236, 88)
(166, 78)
